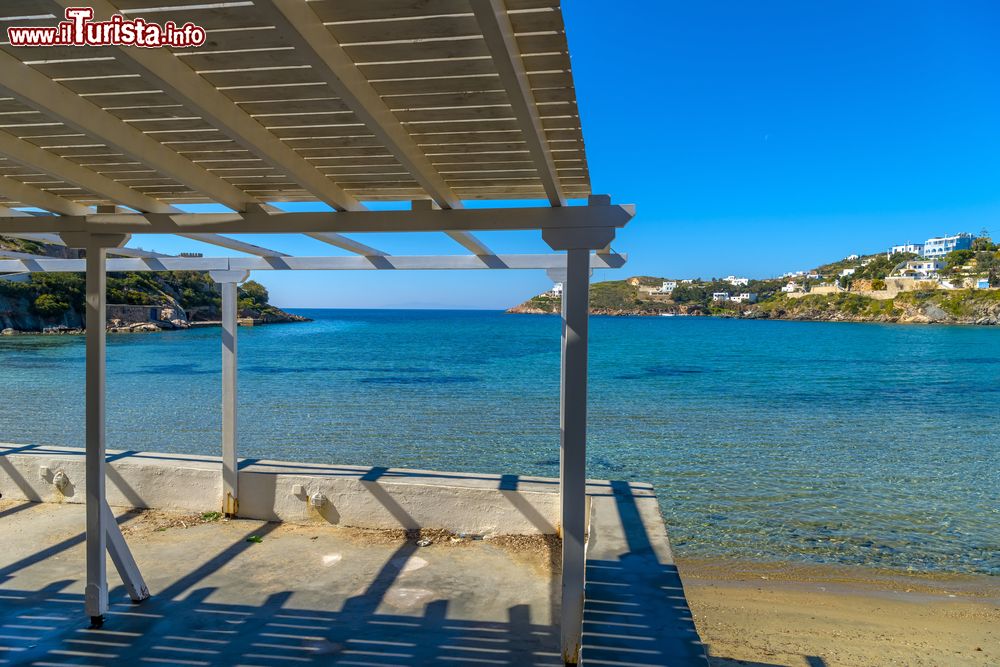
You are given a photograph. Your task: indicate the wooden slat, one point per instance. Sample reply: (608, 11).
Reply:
(428, 61)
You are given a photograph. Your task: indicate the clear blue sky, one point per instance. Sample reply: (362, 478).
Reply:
(754, 137)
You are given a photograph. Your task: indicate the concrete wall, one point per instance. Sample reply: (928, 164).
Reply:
(356, 496)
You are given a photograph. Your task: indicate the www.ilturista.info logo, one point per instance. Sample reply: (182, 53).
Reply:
(80, 30)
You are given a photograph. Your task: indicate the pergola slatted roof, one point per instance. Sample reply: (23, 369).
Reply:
(325, 101)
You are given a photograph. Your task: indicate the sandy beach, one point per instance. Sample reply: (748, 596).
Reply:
(827, 616)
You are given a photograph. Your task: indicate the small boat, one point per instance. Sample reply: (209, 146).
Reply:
(668, 314)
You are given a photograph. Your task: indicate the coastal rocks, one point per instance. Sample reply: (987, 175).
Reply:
(934, 313)
(61, 330)
(277, 316)
(117, 326)
(529, 310)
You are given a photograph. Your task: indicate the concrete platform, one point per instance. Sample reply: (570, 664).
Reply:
(303, 595)
(325, 593)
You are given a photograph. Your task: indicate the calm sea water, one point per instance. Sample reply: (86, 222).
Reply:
(817, 442)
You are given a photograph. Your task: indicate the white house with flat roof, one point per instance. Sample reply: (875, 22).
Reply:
(908, 248)
(720, 296)
(667, 287)
(736, 282)
(920, 268)
(556, 292)
(744, 297)
(942, 245)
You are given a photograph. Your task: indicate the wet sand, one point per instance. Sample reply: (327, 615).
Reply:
(826, 616)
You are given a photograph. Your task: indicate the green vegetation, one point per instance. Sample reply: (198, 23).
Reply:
(614, 294)
(49, 305)
(851, 304)
(52, 296)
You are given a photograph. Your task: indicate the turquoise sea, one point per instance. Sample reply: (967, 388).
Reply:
(816, 442)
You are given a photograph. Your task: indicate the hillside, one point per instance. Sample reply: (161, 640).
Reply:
(853, 289)
(54, 302)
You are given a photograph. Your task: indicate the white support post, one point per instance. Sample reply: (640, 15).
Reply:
(96, 592)
(228, 280)
(573, 447)
(573, 424)
(100, 521)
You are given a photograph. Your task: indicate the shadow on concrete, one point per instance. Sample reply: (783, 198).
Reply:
(8, 571)
(635, 611)
(16, 508)
(194, 631)
(180, 626)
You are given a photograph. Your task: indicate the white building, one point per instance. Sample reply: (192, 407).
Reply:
(851, 258)
(720, 296)
(744, 297)
(556, 292)
(847, 272)
(667, 287)
(736, 282)
(942, 245)
(910, 248)
(792, 287)
(921, 268)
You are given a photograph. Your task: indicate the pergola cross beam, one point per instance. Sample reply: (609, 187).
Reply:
(499, 35)
(35, 264)
(260, 222)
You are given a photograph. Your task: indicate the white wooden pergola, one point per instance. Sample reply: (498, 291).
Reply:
(329, 101)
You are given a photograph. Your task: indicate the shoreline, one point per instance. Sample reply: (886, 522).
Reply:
(142, 328)
(602, 313)
(794, 614)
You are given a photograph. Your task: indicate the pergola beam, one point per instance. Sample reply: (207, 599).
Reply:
(344, 243)
(499, 35)
(43, 94)
(41, 199)
(168, 72)
(233, 244)
(377, 263)
(507, 219)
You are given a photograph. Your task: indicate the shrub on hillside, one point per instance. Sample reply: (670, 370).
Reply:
(49, 305)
